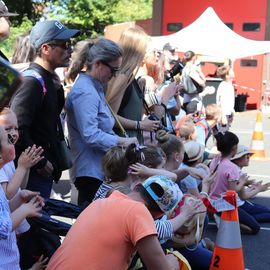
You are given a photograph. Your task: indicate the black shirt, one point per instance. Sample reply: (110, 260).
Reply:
(38, 115)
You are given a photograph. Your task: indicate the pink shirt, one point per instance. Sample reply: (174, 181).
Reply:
(226, 171)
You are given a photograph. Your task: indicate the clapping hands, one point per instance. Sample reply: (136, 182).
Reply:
(30, 157)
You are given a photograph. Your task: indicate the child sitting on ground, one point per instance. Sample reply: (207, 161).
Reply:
(123, 169)
(193, 157)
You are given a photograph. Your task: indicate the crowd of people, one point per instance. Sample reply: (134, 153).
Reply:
(139, 143)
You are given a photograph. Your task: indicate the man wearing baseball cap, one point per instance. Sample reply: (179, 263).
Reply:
(4, 23)
(40, 99)
(110, 230)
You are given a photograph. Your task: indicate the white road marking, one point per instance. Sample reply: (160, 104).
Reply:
(262, 228)
(248, 132)
(259, 175)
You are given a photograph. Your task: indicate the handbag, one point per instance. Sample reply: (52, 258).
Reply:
(65, 161)
(191, 232)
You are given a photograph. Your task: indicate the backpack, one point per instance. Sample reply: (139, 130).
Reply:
(191, 87)
(195, 118)
(35, 74)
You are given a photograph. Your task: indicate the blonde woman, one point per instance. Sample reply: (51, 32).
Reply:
(124, 94)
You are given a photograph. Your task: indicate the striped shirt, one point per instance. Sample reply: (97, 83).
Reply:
(9, 253)
(164, 229)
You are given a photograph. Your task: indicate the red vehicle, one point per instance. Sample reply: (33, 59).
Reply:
(247, 18)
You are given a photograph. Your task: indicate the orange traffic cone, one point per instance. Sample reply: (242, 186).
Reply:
(257, 144)
(228, 252)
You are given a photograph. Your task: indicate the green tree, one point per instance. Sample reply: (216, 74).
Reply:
(129, 10)
(91, 16)
(31, 9)
(7, 45)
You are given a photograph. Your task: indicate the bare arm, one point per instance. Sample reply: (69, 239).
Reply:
(152, 254)
(142, 170)
(12, 187)
(249, 192)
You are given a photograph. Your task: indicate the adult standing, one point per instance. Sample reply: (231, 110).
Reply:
(193, 79)
(226, 94)
(90, 121)
(4, 23)
(38, 102)
(124, 93)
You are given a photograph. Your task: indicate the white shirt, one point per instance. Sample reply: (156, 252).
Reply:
(226, 97)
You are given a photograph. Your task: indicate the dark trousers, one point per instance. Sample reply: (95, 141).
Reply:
(251, 214)
(87, 188)
(43, 184)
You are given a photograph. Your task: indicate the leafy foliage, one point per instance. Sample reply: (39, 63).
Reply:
(7, 46)
(90, 16)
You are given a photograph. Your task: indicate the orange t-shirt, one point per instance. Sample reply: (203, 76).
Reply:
(105, 235)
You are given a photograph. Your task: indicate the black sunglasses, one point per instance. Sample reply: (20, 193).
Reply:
(114, 70)
(64, 45)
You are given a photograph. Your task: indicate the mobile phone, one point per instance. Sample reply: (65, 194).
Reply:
(10, 79)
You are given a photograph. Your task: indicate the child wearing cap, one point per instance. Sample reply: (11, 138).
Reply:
(229, 177)
(123, 172)
(110, 230)
(252, 213)
(193, 157)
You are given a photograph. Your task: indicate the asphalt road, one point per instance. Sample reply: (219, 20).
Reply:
(256, 248)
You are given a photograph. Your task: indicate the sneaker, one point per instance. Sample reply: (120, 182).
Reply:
(245, 229)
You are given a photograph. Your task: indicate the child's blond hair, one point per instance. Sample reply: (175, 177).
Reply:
(186, 130)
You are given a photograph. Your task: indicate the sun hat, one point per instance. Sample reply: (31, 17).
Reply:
(45, 31)
(194, 150)
(4, 10)
(171, 195)
(241, 151)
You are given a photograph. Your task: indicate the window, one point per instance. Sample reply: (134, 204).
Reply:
(174, 27)
(251, 27)
(249, 63)
(230, 25)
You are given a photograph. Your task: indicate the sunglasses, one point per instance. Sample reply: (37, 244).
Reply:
(64, 45)
(114, 70)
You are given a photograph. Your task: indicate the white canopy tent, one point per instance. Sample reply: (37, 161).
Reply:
(208, 35)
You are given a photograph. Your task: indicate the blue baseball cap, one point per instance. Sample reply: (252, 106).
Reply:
(45, 31)
(171, 195)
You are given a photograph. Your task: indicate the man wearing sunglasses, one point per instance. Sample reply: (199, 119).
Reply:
(40, 99)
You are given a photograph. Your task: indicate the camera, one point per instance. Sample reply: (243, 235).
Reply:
(176, 69)
(152, 116)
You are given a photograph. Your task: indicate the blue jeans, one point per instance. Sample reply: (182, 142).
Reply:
(199, 259)
(251, 214)
(43, 184)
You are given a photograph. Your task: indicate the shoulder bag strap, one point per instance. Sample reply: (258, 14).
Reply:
(117, 121)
